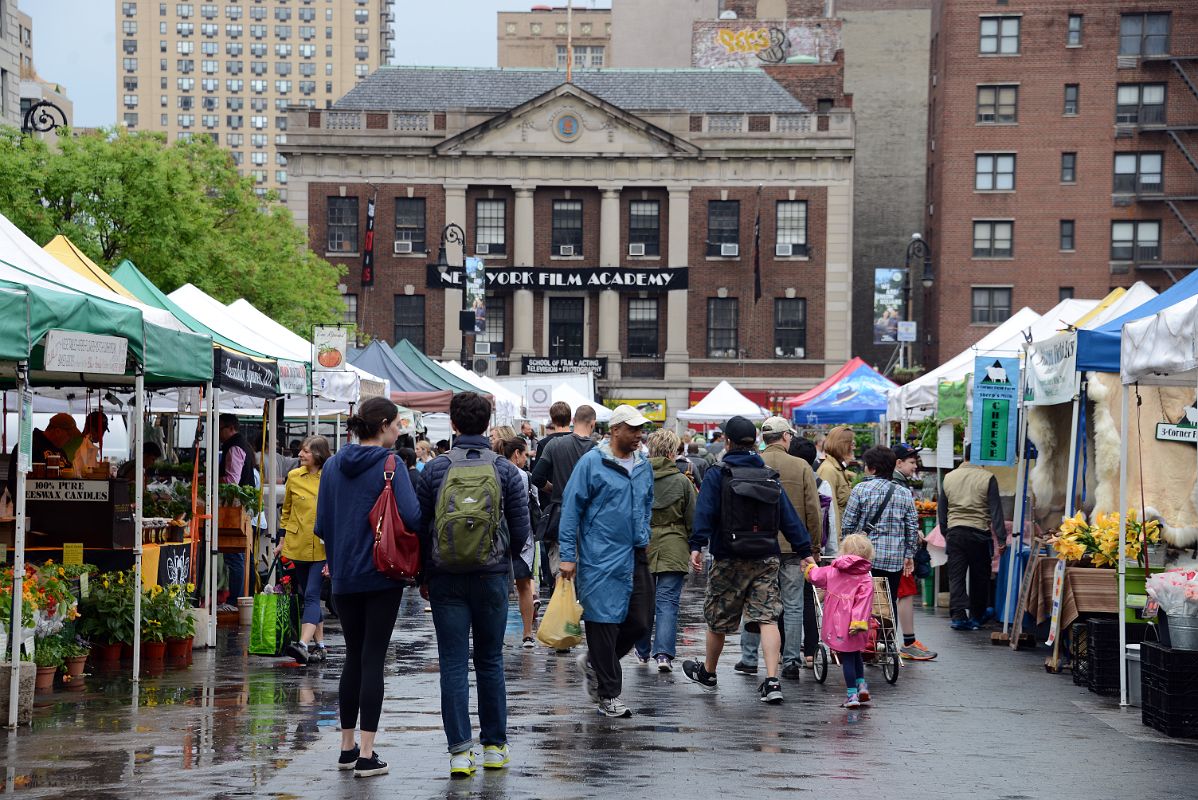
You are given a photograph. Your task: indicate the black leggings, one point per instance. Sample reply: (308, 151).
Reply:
(367, 619)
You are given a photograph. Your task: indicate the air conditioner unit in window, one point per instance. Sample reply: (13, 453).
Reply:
(482, 348)
(403, 247)
(485, 365)
(783, 250)
(565, 250)
(636, 249)
(732, 250)
(482, 249)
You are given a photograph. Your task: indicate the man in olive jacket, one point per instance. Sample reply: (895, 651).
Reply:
(798, 481)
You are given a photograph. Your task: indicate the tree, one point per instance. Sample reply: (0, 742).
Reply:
(179, 211)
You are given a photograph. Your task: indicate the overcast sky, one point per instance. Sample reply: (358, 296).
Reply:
(74, 42)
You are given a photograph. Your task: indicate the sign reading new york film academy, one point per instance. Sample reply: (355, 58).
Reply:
(70, 351)
(754, 43)
(995, 411)
(620, 279)
(1051, 370)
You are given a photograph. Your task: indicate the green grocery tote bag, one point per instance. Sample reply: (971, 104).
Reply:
(276, 620)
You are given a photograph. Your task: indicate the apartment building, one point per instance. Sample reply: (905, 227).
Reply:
(230, 70)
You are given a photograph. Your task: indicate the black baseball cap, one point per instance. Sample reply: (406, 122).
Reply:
(740, 431)
(903, 451)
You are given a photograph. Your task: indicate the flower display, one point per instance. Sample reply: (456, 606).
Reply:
(1099, 538)
(1175, 591)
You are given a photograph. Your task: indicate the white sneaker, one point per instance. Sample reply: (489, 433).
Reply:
(461, 764)
(588, 673)
(614, 707)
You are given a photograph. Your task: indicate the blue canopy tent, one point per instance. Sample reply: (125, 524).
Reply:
(1098, 349)
(858, 395)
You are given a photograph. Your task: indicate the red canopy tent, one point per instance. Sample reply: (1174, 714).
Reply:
(789, 404)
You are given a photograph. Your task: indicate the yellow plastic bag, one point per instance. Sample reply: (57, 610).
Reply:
(561, 627)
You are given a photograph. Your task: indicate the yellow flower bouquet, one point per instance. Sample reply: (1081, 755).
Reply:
(1099, 539)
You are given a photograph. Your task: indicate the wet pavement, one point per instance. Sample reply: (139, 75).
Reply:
(981, 720)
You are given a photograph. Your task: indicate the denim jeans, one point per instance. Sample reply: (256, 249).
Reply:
(665, 616)
(235, 563)
(310, 577)
(462, 603)
(790, 584)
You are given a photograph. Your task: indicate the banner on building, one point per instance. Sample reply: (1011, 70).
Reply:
(548, 279)
(368, 247)
(330, 343)
(890, 285)
(476, 292)
(1052, 370)
(995, 411)
(653, 409)
(534, 365)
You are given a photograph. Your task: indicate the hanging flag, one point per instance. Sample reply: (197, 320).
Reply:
(368, 249)
(757, 251)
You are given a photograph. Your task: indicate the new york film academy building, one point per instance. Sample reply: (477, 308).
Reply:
(615, 215)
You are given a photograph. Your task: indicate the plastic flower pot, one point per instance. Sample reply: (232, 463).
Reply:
(107, 655)
(44, 682)
(74, 666)
(178, 651)
(153, 652)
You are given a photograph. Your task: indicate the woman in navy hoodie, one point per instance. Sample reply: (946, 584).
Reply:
(367, 601)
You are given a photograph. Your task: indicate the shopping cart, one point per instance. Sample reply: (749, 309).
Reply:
(883, 647)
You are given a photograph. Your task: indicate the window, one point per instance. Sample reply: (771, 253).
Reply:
(1073, 37)
(495, 324)
(130, 46)
(129, 64)
(130, 84)
(722, 328)
(1068, 167)
(129, 28)
(790, 327)
(343, 225)
(723, 227)
(186, 103)
(1144, 34)
(791, 217)
(129, 9)
(1072, 92)
(642, 328)
(999, 36)
(185, 84)
(409, 319)
(233, 31)
(130, 120)
(282, 14)
(1138, 172)
(562, 56)
(1140, 103)
(234, 49)
(994, 172)
(234, 84)
(997, 104)
(409, 222)
(283, 32)
(992, 239)
(566, 327)
(490, 227)
(1136, 241)
(1065, 293)
(991, 305)
(236, 139)
(361, 52)
(130, 101)
(567, 226)
(351, 306)
(1067, 240)
(185, 28)
(644, 226)
(209, 29)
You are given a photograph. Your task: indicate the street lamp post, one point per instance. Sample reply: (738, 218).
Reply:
(453, 234)
(43, 117)
(918, 250)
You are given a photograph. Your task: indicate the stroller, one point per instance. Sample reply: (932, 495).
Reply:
(883, 649)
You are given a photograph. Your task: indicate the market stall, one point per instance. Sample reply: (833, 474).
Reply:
(509, 406)
(855, 393)
(722, 403)
(407, 388)
(430, 370)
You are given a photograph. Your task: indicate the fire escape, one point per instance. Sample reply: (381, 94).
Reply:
(1179, 127)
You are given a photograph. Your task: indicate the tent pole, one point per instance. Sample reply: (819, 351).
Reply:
(1119, 607)
(337, 433)
(1071, 478)
(139, 486)
(271, 470)
(213, 511)
(18, 553)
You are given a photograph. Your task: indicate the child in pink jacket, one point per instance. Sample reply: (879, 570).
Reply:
(848, 606)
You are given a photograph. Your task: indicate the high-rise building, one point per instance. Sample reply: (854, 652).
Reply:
(1061, 155)
(538, 38)
(231, 70)
(10, 64)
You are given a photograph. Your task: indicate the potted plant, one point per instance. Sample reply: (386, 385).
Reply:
(75, 651)
(155, 609)
(48, 657)
(178, 623)
(108, 615)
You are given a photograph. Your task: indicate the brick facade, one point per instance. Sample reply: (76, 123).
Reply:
(1039, 271)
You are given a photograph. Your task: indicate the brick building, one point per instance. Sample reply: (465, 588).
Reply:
(1060, 155)
(631, 180)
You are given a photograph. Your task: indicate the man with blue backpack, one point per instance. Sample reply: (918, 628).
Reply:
(475, 516)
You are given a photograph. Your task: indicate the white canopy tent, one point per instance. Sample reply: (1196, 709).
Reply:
(508, 405)
(564, 393)
(722, 403)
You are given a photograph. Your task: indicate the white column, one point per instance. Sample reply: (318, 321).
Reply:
(455, 211)
(524, 233)
(838, 278)
(18, 557)
(677, 353)
(609, 301)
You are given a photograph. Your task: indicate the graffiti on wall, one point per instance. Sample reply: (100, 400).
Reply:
(747, 43)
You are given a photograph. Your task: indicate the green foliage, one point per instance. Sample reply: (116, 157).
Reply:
(108, 609)
(249, 498)
(179, 211)
(173, 503)
(49, 652)
(926, 433)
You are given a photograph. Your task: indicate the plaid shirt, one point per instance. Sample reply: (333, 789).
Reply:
(895, 535)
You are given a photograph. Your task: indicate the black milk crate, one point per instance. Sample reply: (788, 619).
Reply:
(1102, 652)
(1160, 711)
(1169, 669)
(1080, 644)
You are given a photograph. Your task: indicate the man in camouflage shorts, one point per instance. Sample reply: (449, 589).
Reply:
(741, 587)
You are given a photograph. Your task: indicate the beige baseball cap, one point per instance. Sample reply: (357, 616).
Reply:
(627, 415)
(777, 425)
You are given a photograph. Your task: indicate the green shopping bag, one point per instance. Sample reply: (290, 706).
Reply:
(276, 622)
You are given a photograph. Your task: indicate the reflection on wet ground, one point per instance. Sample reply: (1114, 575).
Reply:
(981, 720)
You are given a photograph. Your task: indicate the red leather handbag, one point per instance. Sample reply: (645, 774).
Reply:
(396, 549)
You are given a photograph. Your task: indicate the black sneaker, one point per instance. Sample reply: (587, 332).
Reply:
(298, 652)
(745, 669)
(368, 767)
(771, 691)
(697, 672)
(349, 758)
(792, 672)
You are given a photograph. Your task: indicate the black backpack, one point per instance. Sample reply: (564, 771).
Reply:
(749, 515)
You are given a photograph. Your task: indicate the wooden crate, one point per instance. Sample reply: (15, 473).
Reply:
(233, 531)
